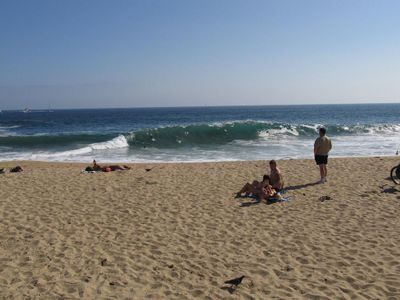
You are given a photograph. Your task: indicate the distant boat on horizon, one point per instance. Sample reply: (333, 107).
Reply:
(26, 110)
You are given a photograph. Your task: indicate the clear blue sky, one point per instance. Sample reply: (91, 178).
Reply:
(81, 53)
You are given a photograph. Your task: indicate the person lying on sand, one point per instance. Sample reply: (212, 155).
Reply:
(96, 167)
(254, 188)
(17, 169)
(118, 167)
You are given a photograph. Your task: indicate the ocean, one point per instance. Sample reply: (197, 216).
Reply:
(196, 134)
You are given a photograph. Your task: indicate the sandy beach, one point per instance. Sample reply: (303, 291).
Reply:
(177, 232)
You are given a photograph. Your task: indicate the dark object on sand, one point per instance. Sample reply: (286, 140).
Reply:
(395, 174)
(149, 169)
(324, 198)
(235, 282)
(2, 171)
(16, 169)
(390, 190)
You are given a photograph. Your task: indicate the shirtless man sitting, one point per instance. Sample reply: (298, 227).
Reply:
(276, 179)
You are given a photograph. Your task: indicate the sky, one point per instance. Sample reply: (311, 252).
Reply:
(126, 53)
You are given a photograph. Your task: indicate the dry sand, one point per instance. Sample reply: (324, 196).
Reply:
(176, 232)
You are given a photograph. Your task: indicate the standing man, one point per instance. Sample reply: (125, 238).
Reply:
(322, 146)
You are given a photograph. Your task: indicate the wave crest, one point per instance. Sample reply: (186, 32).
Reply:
(116, 143)
(189, 135)
(218, 133)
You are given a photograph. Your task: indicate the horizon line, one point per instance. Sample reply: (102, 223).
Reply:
(199, 106)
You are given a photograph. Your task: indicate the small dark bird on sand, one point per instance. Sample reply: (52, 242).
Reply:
(235, 282)
(149, 169)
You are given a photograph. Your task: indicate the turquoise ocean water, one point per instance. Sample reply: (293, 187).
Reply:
(197, 133)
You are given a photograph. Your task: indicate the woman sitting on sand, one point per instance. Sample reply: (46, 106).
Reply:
(254, 188)
(261, 190)
(267, 193)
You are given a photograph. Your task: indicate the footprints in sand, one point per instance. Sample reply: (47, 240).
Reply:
(125, 238)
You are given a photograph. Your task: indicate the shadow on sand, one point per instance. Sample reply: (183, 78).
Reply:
(390, 190)
(272, 201)
(230, 289)
(251, 203)
(300, 186)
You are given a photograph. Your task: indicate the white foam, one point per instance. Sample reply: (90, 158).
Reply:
(375, 129)
(292, 130)
(116, 143)
(4, 130)
(63, 154)
(313, 127)
(285, 141)
(9, 127)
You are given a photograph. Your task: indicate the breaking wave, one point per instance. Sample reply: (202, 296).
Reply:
(115, 143)
(222, 133)
(186, 135)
